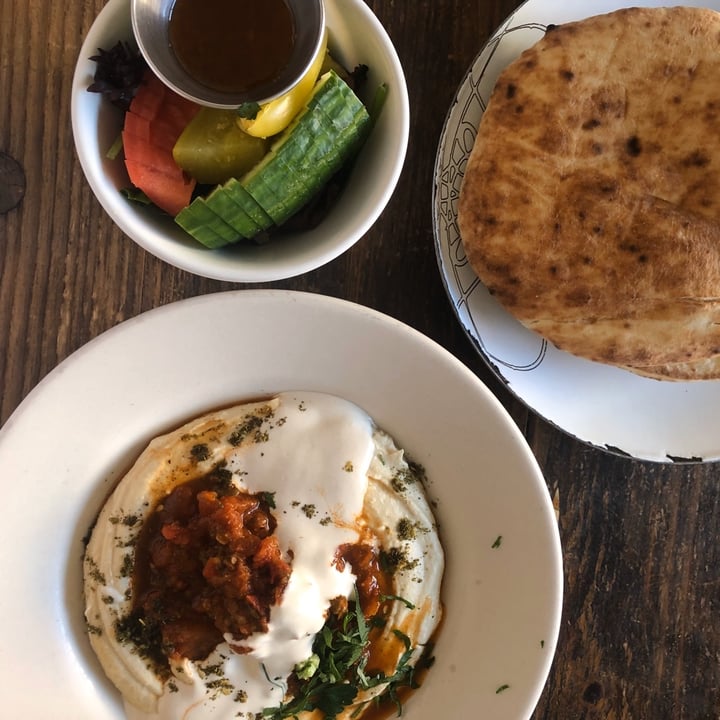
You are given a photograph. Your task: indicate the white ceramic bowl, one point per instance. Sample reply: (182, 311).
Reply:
(503, 581)
(356, 36)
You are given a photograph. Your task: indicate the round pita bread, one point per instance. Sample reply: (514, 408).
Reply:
(698, 370)
(590, 205)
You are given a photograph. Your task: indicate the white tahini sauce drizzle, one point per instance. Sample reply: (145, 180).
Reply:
(315, 462)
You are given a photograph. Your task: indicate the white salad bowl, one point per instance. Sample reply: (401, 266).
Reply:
(355, 37)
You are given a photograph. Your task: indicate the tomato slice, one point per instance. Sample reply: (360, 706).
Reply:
(170, 193)
(156, 117)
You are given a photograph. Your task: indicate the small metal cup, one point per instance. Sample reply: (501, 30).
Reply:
(150, 22)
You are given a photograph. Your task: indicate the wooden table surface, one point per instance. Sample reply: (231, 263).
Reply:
(639, 636)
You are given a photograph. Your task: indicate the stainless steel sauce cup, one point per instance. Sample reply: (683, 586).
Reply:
(151, 21)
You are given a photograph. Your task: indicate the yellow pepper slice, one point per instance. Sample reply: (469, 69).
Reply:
(275, 116)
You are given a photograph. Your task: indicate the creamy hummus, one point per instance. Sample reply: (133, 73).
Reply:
(335, 479)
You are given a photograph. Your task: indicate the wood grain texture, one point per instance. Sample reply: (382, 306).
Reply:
(640, 638)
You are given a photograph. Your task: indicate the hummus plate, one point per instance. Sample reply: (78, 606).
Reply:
(604, 406)
(78, 432)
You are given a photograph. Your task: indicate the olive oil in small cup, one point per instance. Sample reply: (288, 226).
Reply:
(223, 53)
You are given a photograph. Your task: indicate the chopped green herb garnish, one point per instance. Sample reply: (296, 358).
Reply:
(332, 677)
(126, 568)
(94, 629)
(405, 529)
(395, 560)
(248, 110)
(115, 148)
(405, 602)
(135, 195)
(307, 668)
(498, 542)
(222, 479)
(249, 427)
(94, 571)
(269, 498)
(501, 689)
(145, 639)
(220, 686)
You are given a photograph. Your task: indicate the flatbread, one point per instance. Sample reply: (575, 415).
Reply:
(698, 370)
(590, 205)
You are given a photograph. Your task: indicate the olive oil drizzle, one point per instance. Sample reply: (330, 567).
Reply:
(232, 46)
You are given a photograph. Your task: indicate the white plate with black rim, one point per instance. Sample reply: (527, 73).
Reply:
(68, 443)
(601, 405)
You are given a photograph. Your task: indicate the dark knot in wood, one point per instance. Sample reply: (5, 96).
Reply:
(12, 183)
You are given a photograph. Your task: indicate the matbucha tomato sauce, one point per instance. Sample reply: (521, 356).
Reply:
(207, 563)
(372, 582)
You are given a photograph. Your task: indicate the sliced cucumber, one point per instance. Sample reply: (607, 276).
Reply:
(310, 151)
(321, 151)
(300, 190)
(248, 203)
(220, 202)
(204, 225)
(353, 135)
(347, 114)
(337, 100)
(278, 200)
(289, 175)
(338, 119)
(299, 163)
(195, 223)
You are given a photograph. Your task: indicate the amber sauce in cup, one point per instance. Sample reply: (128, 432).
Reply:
(232, 46)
